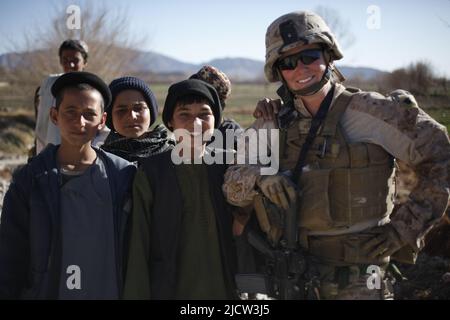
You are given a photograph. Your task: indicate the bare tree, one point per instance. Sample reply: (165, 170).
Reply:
(339, 26)
(112, 49)
(422, 77)
(398, 78)
(443, 83)
(418, 78)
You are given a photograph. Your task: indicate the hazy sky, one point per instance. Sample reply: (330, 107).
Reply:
(198, 31)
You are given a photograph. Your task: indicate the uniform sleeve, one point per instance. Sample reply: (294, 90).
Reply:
(409, 134)
(14, 243)
(137, 279)
(240, 179)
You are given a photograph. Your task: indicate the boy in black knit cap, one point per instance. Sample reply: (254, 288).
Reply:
(63, 219)
(131, 114)
(222, 84)
(181, 242)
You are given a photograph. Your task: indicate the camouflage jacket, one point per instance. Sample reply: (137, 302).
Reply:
(405, 131)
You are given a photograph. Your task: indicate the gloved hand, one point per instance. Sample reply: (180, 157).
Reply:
(385, 242)
(279, 189)
(267, 109)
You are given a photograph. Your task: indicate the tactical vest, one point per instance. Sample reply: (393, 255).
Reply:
(343, 183)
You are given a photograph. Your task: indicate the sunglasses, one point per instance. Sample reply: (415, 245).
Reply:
(306, 57)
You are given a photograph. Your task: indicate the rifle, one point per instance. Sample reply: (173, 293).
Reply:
(288, 273)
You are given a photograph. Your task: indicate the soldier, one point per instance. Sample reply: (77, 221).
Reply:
(345, 216)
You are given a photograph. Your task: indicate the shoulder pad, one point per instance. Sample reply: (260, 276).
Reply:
(352, 89)
(403, 97)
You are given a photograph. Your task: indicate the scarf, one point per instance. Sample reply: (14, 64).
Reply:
(136, 149)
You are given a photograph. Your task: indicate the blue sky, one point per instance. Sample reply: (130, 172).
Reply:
(198, 31)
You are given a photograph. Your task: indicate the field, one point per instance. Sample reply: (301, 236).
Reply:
(441, 115)
(17, 115)
(244, 97)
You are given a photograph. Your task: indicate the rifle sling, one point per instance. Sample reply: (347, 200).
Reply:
(316, 123)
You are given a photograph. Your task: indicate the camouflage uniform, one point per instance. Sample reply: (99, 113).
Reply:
(397, 126)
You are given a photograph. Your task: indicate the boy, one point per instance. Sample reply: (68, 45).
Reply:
(61, 230)
(73, 56)
(181, 242)
(222, 84)
(130, 117)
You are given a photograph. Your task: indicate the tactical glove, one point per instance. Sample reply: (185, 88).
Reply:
(267, 109)
(385, 242)
(279, 189)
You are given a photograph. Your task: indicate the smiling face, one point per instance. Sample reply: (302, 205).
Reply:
(188, 116)
(131, 114)
(197, 119)
(79, 116)
(303, 75)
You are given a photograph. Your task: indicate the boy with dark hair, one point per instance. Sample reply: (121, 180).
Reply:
(73, 56)
(181, 243)
(63, 220)
(78, 50)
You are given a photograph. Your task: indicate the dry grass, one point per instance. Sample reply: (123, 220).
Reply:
(16, 132)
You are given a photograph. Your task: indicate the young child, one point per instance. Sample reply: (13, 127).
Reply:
(62, 225)
(181, 242)
(73, 56)
(222, 84)
(132, 112)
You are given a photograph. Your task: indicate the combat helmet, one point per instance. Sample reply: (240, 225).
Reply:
(296, 29)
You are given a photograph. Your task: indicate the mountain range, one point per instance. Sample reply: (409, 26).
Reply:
(238, 69)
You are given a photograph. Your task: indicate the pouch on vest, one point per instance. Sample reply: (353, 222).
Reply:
(344, 249)
(315, 205)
